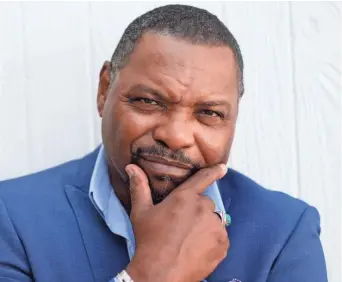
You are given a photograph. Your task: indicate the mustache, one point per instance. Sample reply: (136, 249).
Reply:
(163, 152)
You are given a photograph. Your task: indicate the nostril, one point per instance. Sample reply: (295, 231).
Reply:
(162, 143)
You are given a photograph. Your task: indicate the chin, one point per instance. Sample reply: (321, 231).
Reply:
(161, 188)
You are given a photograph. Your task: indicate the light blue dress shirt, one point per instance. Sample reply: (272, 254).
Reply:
(102, 196)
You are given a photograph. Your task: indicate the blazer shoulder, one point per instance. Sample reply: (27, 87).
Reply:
(45, 178)
(49, 181)
(250, 199)
(278, 229)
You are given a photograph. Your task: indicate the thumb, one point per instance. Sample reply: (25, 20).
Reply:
(141, 198)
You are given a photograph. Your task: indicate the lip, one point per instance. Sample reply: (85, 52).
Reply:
(164, 161)
(160, 167)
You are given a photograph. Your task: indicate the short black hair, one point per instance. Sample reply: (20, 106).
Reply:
(196, 25)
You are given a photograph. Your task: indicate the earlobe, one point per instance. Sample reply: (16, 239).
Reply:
(104, 82)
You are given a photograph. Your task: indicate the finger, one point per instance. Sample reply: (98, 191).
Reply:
(218, 218)
(199, 182)
(207, 202)
(141, 198)
(223, 240)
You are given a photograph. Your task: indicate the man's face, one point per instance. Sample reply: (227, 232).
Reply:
(171, 110)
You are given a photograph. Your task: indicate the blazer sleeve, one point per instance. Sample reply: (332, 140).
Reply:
(302, 258)
(14, 265)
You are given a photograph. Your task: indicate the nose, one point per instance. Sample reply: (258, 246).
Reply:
(175, 132)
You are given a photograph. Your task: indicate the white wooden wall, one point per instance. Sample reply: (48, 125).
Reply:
(289, 131)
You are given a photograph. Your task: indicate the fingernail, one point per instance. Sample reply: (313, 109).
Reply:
(223, 167)
(129, 171)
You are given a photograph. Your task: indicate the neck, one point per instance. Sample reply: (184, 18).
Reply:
(121, 188)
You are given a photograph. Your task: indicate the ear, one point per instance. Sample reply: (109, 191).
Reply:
(104, 83)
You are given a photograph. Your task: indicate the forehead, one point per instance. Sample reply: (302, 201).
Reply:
(176, 63)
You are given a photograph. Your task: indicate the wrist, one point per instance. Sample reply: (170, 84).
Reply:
(123, 276)
(140, 272)
(136, 274)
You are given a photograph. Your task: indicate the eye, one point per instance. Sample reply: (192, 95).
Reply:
(211, 113)
(145, 101)
(146, 104)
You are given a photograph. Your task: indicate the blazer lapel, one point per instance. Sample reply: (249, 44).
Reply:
(107, 252)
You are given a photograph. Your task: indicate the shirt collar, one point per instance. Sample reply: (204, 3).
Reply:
(106, 202)
(100, 186)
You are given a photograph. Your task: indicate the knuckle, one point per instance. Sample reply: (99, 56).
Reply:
(200, 207)
(207, 202)
(220, 240)
(224, 253)
(133, 186)
(223, 238)
(212, 172)
(179, 198)
(203, 207)
(225, 243)
(202, 174)
(133, 183)
(137, 182)
(206, 173)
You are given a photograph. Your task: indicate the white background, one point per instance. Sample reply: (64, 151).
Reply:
(289, 130)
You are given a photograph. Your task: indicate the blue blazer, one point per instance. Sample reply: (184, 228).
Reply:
(51, 232)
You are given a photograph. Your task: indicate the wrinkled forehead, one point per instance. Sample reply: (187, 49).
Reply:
(175, 63)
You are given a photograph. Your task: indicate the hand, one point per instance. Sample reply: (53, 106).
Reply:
(180, 239)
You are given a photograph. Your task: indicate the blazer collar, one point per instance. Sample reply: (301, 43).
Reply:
(84, 171)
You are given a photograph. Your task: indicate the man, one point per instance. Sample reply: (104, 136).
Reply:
(152, 203)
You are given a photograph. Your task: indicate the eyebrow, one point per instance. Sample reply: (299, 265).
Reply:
(143, 88)
(160, 96)
(214, 103)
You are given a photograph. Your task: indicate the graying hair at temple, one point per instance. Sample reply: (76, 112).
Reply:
(195, 25)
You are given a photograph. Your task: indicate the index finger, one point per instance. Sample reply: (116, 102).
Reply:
(199, 182)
